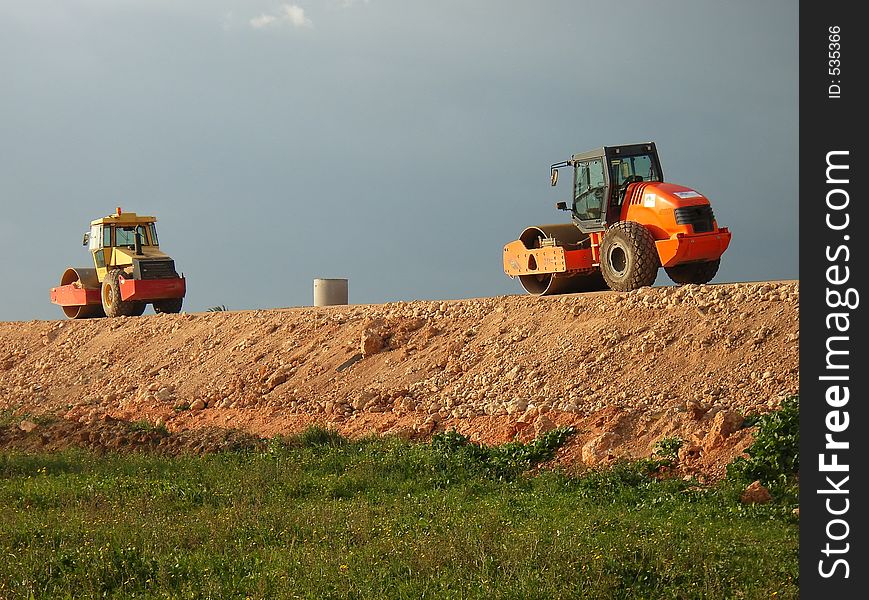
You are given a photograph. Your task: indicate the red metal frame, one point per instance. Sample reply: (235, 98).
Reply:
(73, 295)
(131, 289)
(153, 289)
(698, 247)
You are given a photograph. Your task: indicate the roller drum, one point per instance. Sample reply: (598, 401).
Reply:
(88, 311)
(547, 284)
(566, 234)
(86, 277)
(90, 281)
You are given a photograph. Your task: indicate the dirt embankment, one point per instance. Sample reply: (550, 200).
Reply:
(626, 369)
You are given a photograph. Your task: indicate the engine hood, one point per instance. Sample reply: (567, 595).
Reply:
(664, 195)
(125, 256)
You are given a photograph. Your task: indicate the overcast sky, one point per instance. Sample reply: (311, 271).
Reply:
(396, 143)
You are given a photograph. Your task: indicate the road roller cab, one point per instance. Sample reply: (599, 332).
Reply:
(626, 223)
(129, 271)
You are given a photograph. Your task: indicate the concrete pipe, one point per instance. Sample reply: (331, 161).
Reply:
(330, 292)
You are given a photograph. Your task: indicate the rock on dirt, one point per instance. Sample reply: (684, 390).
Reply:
(543, 424)
(371, 343)
(755, 493)
(600, 449)
(625, 369)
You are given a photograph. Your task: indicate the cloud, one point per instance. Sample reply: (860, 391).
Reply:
(288, 14)
(295, 15)
(262, 21)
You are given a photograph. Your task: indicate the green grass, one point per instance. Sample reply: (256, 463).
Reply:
(10, 417)
(317, 516)
(145, 426)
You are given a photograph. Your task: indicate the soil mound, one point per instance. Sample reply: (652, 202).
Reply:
(626, 369)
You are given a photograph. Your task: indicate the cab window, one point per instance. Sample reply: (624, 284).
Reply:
(107, 237)
(641, 166)
(95, 238)
(589, 188)
(126, 236)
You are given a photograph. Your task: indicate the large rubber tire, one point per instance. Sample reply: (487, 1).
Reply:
(113, 306)
(699, 272)
(172, 305)
(629, 258)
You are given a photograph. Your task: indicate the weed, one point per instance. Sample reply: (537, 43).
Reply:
(10, 417)
(317, 435)
(665, 454)
(314, 436)
(668, 448)
(774, 456)
(750, 420)
(145, 426)
(503, 462)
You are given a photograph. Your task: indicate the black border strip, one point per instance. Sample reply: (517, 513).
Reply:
(832, 282)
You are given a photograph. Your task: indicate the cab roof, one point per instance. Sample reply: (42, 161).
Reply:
(623, 149)
(124, 218)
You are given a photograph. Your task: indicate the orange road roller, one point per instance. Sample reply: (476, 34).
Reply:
(626, 223)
